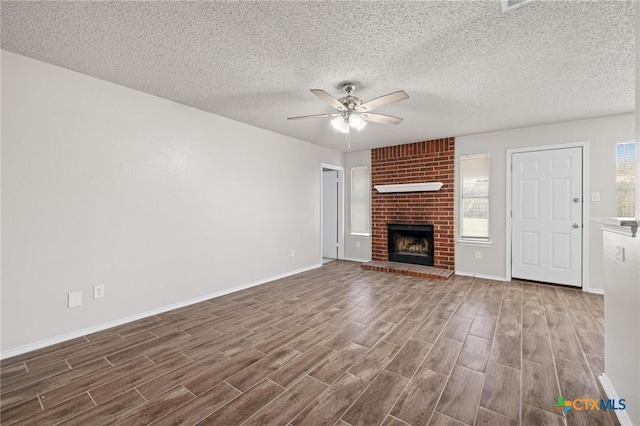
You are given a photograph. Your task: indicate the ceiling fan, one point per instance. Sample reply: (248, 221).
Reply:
(352, 112)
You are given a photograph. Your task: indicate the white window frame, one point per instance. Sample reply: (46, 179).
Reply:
(471, 240)
(360, 232)
(634, 174)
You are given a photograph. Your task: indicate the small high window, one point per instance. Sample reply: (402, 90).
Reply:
(474, 203)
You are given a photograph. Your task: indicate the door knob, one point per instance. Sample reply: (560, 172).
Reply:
(576, 200)
(575, 225)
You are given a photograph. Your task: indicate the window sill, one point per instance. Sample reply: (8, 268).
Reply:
(475, 243)
(358, 234)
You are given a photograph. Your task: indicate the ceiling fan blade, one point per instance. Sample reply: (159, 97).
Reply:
(381, 118)
(328, 99)
(304, 117)
(387, 99)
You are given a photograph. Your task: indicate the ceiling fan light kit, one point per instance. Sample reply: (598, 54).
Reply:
(340, 124)
(347, 121)
(356, 122)
(353, 113)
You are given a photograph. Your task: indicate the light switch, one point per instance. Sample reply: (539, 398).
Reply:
(595, 196)
(620, 254)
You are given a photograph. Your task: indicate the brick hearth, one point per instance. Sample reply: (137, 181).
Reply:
(421, 271)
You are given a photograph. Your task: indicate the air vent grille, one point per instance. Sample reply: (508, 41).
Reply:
(512, 4)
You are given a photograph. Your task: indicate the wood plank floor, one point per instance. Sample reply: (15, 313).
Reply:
(336, 345)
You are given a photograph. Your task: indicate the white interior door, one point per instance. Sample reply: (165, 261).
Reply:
(330, 214)
(546, 224)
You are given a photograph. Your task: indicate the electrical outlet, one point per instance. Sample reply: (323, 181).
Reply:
(75, 299)
(357, 243)
(478, 254)
(293, 252)
(98, 291)
(595, 196)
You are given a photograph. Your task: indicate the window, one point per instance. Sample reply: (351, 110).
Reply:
(626, 179)
(360, 204)
(474, 205)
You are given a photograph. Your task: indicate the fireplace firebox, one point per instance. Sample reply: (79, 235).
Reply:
(410, 243)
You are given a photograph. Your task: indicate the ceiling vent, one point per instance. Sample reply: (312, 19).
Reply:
(508, 5)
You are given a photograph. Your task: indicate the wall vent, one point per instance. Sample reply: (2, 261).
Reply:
(508, 5)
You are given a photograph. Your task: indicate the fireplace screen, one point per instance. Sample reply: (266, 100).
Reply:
(411, 243)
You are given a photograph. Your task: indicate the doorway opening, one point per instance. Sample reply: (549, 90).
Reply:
(331, 244)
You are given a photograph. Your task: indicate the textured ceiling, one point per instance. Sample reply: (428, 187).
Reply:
(467, 66)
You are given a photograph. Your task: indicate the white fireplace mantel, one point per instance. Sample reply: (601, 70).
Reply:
(410, 187)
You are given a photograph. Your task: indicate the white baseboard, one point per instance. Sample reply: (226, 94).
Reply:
(79, 333)
(623, 417)
(483, 276)
(353, 259)
(593, 290)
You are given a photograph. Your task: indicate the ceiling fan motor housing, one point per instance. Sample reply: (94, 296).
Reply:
(350, 102)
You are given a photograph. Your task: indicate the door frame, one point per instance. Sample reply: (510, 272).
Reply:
(585, 203)
(340, 212)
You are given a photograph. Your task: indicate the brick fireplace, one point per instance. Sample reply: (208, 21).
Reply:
(427, 161)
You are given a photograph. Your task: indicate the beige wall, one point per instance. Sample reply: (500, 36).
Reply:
(622, 294)
(160, 202)
(602, 134)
